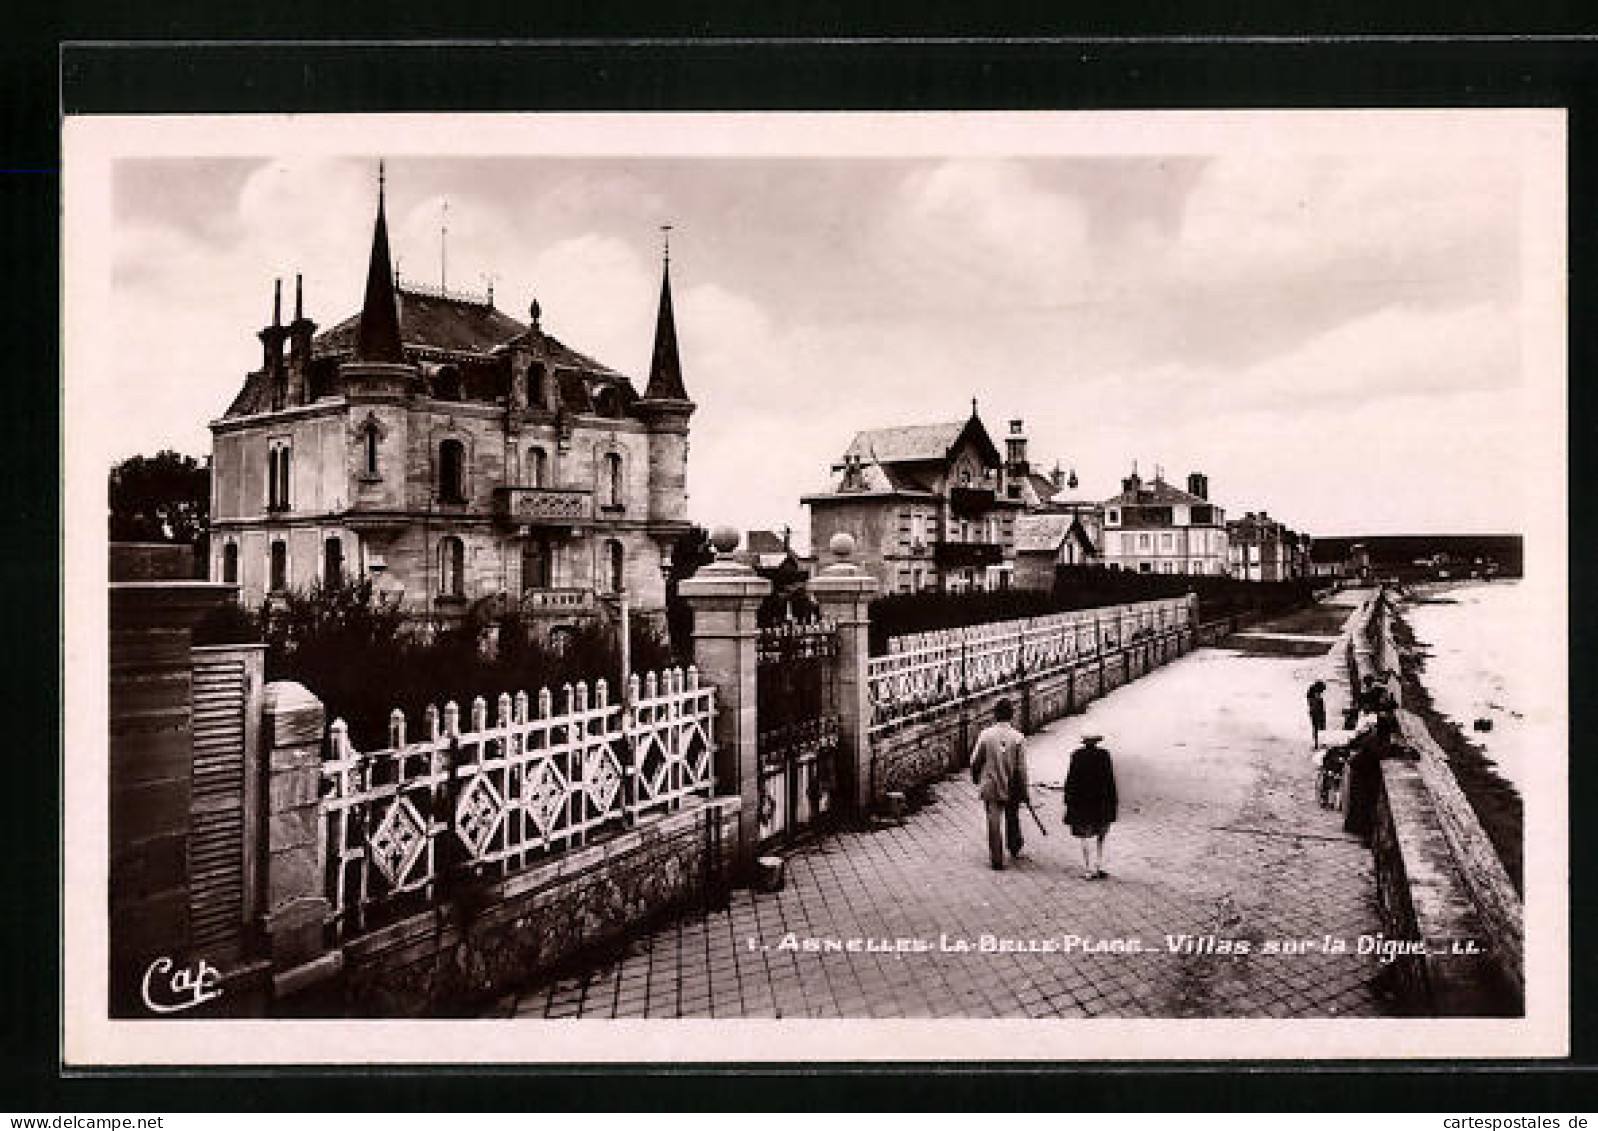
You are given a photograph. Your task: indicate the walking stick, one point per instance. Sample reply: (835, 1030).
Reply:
(1041, 828)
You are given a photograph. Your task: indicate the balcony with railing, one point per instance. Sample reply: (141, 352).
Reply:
(558, 602)
(963, 555)
(543, 506)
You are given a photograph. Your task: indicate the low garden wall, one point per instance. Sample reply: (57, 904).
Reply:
(490, 940)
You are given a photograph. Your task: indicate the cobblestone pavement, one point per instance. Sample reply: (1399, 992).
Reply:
(1219, 838)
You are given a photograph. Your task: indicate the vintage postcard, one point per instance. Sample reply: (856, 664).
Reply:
(812, 587)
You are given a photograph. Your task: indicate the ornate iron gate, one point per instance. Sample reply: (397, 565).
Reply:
(798, 727)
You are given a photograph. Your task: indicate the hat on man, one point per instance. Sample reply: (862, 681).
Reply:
(1091, 739)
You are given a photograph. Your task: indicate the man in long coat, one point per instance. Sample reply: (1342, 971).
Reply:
(998, 766)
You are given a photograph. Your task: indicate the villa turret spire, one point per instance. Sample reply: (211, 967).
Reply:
(665, 370)
(379, 335)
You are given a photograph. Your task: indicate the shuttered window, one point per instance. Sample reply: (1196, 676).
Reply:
(223, 690)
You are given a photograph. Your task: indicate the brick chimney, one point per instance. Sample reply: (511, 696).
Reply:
(1199, 484)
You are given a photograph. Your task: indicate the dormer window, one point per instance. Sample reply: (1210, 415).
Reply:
(607, 402)
(447, 383)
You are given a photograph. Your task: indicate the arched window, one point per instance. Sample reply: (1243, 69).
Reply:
(279, 571)
(537, 467)
(277, 475)
(615, 565)
(332, 563)
(613, 485)
(535, 564)
(452, 472)
(451, 567)
(230, 563)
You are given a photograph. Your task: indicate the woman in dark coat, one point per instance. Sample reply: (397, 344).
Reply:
(1090, 802)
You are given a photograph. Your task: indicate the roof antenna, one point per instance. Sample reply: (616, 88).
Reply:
(973, 406)
(665, 241)
(443, 250)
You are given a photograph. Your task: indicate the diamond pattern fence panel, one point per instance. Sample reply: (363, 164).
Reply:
(406, 824)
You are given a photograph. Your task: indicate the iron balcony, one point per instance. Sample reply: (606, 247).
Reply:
(961, 555)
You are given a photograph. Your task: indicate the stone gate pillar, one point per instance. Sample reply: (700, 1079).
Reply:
(296, 902)
(844, 592)
(725, 598)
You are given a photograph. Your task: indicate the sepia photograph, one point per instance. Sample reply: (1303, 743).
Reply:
(1068, 586)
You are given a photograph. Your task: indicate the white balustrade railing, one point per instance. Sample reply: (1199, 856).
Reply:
(489, 801)
(923, 671)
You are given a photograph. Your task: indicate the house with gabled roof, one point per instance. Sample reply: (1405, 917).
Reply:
(455, 455)
(928, 506)
(1157, 527)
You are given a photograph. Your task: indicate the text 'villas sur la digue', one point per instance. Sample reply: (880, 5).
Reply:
(1180, 944)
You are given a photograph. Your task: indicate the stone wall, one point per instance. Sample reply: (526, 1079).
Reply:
(489, 940)
(911, 755)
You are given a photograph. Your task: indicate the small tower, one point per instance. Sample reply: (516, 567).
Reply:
(665, 409)
(1015, 451)
(379, 338)
(379, 365)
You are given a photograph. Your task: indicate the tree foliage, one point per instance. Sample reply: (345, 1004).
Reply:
(364, 658)
(161, 498)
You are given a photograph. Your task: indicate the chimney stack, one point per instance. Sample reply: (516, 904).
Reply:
(272, 338)
(299, 334)
(1199, 484)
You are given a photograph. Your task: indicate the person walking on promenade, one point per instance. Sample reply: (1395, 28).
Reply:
(1090, 802)
(998, 766)
(1316, 695)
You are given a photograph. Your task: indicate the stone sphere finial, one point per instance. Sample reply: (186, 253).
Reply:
(841, 544)
(724, 539)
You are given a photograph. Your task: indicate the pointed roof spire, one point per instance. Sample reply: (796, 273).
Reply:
(665, 370)
(379, 337)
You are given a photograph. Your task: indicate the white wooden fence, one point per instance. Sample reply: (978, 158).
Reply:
(400, 822)
(922, 672)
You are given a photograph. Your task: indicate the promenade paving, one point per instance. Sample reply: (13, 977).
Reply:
(1219, 839)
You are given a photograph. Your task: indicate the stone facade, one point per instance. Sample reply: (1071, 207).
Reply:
(454, 455)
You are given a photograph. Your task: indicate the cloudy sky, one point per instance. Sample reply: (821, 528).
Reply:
(1336, 337)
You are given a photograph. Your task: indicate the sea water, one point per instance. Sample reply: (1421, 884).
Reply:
(1476, 637)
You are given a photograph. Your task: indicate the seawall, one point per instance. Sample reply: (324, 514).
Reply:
(1438, 877)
